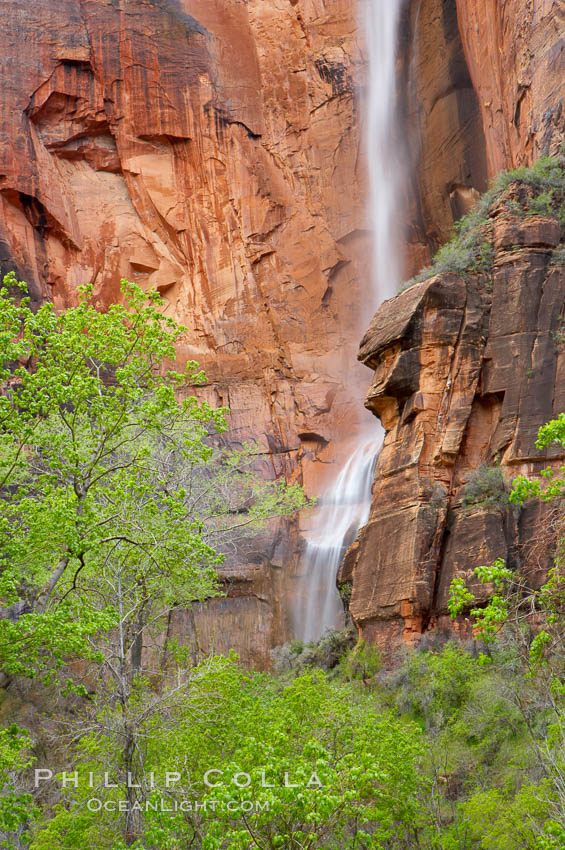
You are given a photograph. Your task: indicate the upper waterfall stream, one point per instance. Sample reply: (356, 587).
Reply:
(344, 507)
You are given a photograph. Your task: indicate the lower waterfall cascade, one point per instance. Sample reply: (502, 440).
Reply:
(344, 510)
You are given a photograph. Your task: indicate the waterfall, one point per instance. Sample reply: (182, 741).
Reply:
(383, 154)
(346, 504)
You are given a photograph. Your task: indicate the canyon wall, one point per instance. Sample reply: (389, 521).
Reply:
(443, 122)
(515, 52)
(213, 149)
(467, 368)
(483, 91)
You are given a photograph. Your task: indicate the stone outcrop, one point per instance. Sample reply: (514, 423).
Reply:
(466, 371)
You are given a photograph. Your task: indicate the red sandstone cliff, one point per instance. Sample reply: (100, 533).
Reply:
(466, 370)
(515, 52)
(485, 89)
(212, 148)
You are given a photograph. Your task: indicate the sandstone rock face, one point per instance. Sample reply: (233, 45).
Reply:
(465, 374)
(516, 56)
(444, 126)
(466, 371)
(484, 92)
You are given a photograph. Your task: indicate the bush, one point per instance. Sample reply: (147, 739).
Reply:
(433, 687)
(325, 654)
(545, 175)
(345, 591)
(558, 256)
(362, 663)
(486, 487)
(541, 204)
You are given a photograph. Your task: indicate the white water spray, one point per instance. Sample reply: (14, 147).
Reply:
(345, 506)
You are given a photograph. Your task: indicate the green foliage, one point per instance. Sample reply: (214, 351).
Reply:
(470, 251)
(345, 590)
(541, 204)
(114, 497)
(366, 763)
(551, 487)
(534, 620)
(432, 687)
(323, 770)
(470, 776)
(484, 742)
(336, 653)
(460, 598)
(546, 179)
(558, 256)
(325, 654)
(87, 417)
(492, 617)
(495, 821)
(361, 663)
(17, 807)
(509, 591)
(117, 504)
(486, 487)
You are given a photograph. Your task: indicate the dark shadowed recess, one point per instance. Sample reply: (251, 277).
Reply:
(174, 8)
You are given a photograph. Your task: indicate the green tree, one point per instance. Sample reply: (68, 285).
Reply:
(356, 771)
(115, 503)
(305, 765)
(16, 805)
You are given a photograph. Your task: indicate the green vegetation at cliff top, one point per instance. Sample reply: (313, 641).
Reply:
(526, 191)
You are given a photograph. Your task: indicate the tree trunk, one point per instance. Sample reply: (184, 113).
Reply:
(133, 821)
